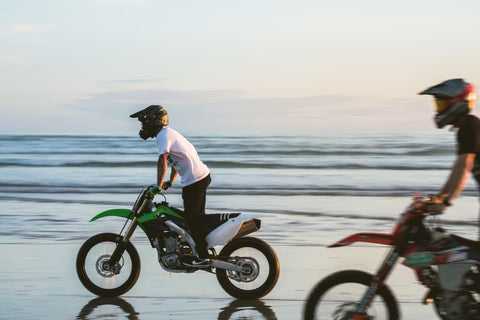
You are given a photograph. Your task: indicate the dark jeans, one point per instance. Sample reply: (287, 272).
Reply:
(194, 199)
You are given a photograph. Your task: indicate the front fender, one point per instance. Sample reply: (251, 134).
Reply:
(123, 213)
(379, 238)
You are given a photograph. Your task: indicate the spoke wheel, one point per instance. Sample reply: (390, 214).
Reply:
(95, 271)
(260, 268)
(337, 297)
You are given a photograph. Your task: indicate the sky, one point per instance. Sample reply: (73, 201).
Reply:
(223, 67)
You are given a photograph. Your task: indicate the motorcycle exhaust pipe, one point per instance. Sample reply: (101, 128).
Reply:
(182, 233)
(248, 227)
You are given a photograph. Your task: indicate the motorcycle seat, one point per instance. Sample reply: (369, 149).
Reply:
(214, 220)
(211, 220)
(467, 242)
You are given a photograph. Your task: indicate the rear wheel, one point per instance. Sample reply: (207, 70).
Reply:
(97, 275)
(337, 297)
(260, 264)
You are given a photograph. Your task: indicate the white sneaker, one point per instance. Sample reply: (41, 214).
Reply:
(201, 263)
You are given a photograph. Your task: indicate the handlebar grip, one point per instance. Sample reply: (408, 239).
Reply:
(154, 190)
(167, 184)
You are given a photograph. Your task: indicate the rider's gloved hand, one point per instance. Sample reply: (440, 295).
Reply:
(166, 184)
(435, 208)
(433, 198)
(154, 189)
(436, 205)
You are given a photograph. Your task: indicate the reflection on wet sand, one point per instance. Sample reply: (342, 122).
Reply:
(113, 306)
(248, 310)
(119, 308)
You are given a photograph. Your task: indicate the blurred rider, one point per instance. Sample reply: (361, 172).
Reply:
(175, 150)
(454, 99)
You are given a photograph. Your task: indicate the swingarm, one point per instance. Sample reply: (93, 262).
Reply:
(227, 266)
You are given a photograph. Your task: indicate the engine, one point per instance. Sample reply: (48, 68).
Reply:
(462, 302)
(452, 305)
(171, 250)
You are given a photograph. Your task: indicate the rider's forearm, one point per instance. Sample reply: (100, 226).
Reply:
(458, 177)
(162, 167)
(173, 175)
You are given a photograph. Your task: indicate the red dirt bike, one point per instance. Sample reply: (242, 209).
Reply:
(448, 265)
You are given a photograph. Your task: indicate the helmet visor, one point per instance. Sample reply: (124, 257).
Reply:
(440, 105)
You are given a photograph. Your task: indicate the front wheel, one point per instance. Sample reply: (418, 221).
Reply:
(98, 275)
(337, 297)
(260, 264)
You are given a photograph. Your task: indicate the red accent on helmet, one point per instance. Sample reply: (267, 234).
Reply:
(462, 96)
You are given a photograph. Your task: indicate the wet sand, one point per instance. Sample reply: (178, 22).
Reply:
(39, 282)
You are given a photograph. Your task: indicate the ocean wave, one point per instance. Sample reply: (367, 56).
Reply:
(261, 150)
(13, 190)
(325, 152)
(79, 164)
(229, 164)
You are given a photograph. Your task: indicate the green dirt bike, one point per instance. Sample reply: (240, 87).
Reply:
(108, 264)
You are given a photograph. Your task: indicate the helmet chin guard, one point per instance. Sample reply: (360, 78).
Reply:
(153, 119)
(451, 114)
(148, 132)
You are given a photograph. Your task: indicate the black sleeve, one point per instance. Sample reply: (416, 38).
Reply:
(469, 136)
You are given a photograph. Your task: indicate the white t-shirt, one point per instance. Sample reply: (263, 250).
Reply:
(182, 156)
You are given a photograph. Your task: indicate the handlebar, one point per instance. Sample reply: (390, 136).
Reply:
(428, 205)
(145, 198)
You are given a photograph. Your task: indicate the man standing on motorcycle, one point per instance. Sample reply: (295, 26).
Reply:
(175, 150)
(454, 99)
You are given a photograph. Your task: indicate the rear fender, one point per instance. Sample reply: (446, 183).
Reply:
(379, 238)
(232, 229)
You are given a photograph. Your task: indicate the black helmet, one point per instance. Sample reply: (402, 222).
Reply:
(153, 119)
(453, 99)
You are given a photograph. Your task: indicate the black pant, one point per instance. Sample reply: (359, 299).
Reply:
(194, 199)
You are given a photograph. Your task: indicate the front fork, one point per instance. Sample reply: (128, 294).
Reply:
(377, 281)
(118, 252)
(112, 264)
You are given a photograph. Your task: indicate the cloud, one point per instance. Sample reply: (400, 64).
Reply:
(14, 59)
(133, 81)
(230, 111)
(220, 100)
(218, 110)
(26, 29)
(141, 2)
(131, 98)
